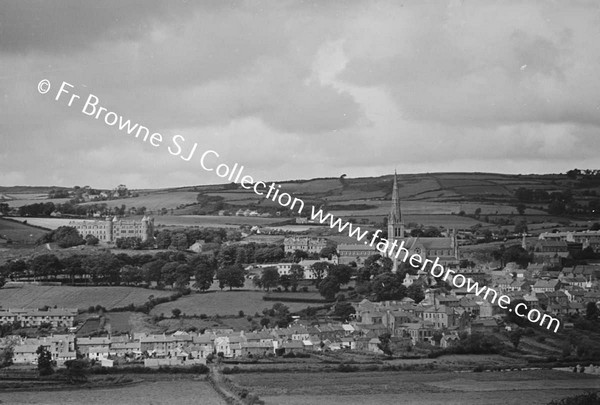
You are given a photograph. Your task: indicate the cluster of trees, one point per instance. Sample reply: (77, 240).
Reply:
(249, 253)
(71, 208)
(513, 253)
(67, 236)
(183, 239)
(559, 202)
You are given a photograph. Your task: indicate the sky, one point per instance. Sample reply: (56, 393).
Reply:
(296, 89)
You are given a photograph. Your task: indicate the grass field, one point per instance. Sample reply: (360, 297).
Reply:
(154, 201)
(18, 232)
(379, 388)
(33, 296)
(221, 303)
(174, 391)
(212, 220)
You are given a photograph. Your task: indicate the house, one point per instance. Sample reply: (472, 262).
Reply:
(419, 331)
(373, 346)
(449, 340)
(25, 354)
(542, 286)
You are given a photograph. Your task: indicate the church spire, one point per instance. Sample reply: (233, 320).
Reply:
(396, 212)
(395, 223)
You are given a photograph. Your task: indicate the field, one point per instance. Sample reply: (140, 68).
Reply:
(20, 199)
(172, 391)
(379, 388)
(33, 296)
(19, 232)
(153, 201)
(159, 220)
(221, 303)
(213, 220)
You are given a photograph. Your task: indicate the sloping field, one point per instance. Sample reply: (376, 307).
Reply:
(153, 201)
(33, 296)
(20, 199)
(18, 232)
(221, 303)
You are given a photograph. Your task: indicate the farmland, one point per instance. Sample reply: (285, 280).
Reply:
(520, 387)
(221, 303)
(18, 232)
(34, 296)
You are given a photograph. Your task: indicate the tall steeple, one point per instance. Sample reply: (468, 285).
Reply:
(395, 223)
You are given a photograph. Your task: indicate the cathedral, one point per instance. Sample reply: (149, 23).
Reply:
(446, 248)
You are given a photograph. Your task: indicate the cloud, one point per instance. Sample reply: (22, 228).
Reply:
(298, 89)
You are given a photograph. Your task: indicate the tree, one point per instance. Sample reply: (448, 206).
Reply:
(269, 278)
(415, 291)
(344, 310)
(163, 239)
(179, 241)
(521, 208)
(388, 286)
(168, 273)
(67, 236)
(204, 271)
(231, 276)
(285, 281)
(45, 265)
(329, 287)
(516, 254)
(91, 240)
(45, 362)
(342, 272)
(176, 312)
(299, 255)
(521, 227)
(515, 337)
(320, 269)
(296, 275)
(591, 311)
(384, 345)
(328, 251)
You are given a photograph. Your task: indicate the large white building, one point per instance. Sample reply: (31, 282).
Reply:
(111, 230)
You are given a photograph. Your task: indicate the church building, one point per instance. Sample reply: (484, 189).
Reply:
(446, 248)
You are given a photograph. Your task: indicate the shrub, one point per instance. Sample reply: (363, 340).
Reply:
(590, 398)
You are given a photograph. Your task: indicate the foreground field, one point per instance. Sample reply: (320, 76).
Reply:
(222, 303)
(32, 296)
(181, 391)
(379, 388)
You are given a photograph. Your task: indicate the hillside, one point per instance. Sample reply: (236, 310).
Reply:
(366, 200)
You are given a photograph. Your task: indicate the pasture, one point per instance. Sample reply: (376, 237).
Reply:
(19, 232)
(440, 388)
(222, 303)
(153, 201)
(35, 296)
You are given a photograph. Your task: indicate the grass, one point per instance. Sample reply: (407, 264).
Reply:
(33, 296)
(520, 387)
(222, 303)
(153, 201)
(18, 232)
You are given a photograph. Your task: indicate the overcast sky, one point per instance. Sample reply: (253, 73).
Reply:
(298, 89)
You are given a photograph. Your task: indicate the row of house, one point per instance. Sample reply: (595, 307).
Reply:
(27, 317)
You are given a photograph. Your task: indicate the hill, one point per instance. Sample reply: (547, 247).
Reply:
(429, 199)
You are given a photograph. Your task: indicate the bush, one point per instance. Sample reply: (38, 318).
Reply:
(590, 398)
